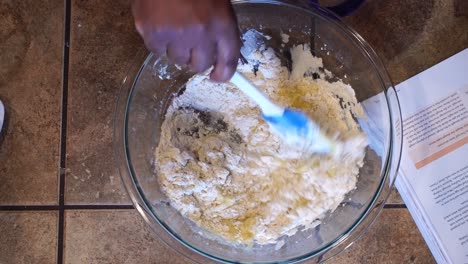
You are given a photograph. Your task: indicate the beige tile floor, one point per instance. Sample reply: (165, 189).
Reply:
(30, 88)
(61, 198)
(28, 237)
(102, 44)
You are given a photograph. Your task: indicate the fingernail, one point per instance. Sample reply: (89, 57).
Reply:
(227, 73)
(214, 76)
(139, 28)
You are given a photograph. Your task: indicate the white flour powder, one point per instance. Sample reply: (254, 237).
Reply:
(222, 167)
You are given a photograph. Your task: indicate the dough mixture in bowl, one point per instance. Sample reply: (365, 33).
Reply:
(221, 166)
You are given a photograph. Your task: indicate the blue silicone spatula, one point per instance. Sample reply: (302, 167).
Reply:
(293, 126)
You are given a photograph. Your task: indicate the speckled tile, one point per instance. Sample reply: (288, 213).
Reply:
(123, 237)
(393, 238)
(394, 197)
(103, 44)
(28, 237)
(119, 236)
(411, 36)
(30, 88)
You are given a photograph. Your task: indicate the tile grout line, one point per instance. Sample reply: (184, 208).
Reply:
(28, 208)
(395, 206)
(63, 131)
(22, 208)
(99, 207)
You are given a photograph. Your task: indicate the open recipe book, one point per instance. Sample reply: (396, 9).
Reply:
(433, 175)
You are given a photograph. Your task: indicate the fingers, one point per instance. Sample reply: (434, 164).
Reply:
(155, 43)
(202, 57)
(223, 52)
(161, 43)
(179, 54)
(227, 56)
(200, 35)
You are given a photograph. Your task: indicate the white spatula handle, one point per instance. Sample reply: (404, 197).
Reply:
(268, 108)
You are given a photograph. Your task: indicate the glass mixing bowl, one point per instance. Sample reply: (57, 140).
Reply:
(152, 82)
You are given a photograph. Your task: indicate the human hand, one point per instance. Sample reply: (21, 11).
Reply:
(198, 33)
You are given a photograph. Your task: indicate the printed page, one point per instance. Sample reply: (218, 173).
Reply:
(435, 153)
